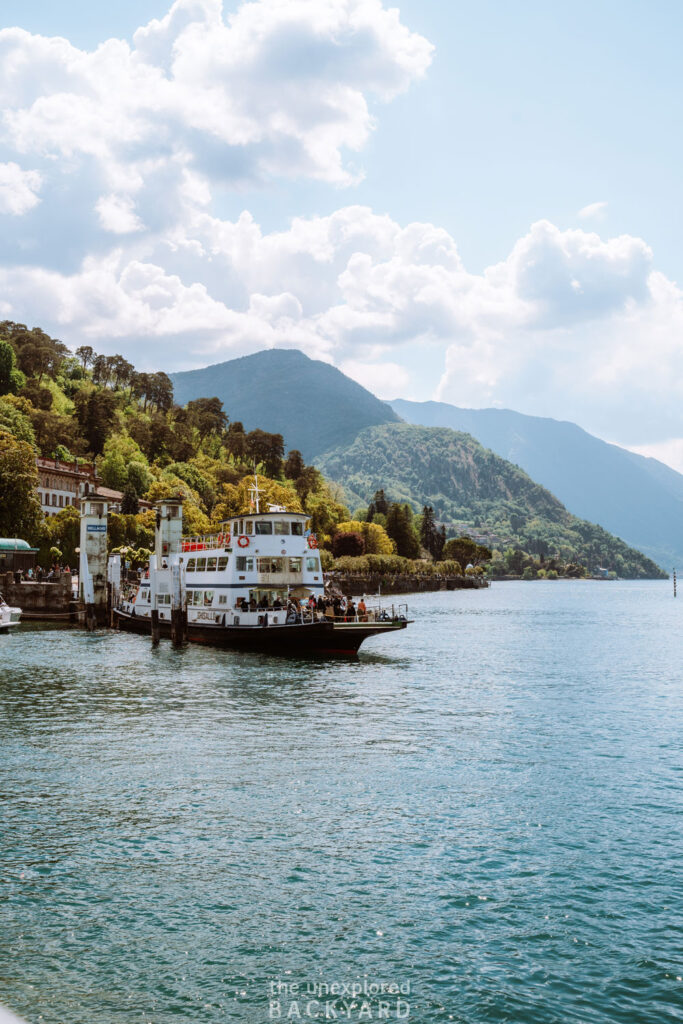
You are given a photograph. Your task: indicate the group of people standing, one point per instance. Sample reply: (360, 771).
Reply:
(330, 607)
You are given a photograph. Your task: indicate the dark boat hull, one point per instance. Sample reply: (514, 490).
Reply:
(319, 638)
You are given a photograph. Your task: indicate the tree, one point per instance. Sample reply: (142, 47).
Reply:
(374, 536)
(16, 422)
(266, 448)
(347, 544)
(20, 512)
(309, 480)
(86, 354)
(400, 529)
(207, 415)
(295, 465)
(466, 551)
(428, 532)
(380, 503)
(130, 506)
(96, 413)
(236, 440)
(439, 543)
(10, 377)
(161, 391)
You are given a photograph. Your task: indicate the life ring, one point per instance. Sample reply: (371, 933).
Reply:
(243, 541)
(312, 542)
(219, 538)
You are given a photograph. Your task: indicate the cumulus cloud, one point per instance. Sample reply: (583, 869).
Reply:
(18, 189)
(112, 158)
(275, 89)
(569, 324)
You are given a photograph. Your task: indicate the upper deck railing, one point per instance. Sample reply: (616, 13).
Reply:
(207, 542)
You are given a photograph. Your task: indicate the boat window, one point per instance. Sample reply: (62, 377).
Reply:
(222, 598)
(295, 565)
(192, 596)
(248, 527)
(281, 528)
(191, 563)
(201, 564)
(243, 564)
(297, 529)
(211, 564)
(222, 563)
(264, 527)
(312, 563)
(240, 526)
(271, 565)
(208, 597)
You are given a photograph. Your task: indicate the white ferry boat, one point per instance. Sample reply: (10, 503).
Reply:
(248, 586)
(9, 616)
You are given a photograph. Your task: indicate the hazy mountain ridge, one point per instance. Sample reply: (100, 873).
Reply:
(469, 485)
(637, 498)
(311, 403)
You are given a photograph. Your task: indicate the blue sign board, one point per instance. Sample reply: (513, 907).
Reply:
(97, 527)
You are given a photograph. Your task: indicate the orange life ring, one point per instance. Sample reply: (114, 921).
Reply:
(312, 542)
(219, 538)
(243, 541)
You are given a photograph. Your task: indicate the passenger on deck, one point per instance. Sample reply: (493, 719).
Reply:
(362, 611)
(321, 604)
(350, 611)
(277, 605)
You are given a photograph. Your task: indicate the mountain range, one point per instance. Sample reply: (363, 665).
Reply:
(637, 498)
(322, 412)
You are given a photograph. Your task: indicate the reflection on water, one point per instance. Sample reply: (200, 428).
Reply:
(483, 807)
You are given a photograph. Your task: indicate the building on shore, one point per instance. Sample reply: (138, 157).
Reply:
(61, 484)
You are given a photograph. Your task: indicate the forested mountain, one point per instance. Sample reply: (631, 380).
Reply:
(471, 488)
(315, 406)
(638, 499)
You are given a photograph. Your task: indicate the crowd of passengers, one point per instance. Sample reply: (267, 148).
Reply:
(321, 608)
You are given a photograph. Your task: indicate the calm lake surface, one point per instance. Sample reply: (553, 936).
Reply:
(485, 810)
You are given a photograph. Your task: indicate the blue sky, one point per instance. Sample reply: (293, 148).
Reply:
(424, 277)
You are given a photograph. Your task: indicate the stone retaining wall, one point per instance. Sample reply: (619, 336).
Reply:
(38, 600)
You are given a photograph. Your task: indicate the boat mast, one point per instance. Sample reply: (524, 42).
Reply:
(255, 495)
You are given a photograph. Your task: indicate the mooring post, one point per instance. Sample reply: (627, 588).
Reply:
(155, 627)
(178, 612)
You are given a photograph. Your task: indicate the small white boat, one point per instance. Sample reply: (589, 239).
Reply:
(8, 616)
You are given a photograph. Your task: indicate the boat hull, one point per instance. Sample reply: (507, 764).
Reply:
(341, 639)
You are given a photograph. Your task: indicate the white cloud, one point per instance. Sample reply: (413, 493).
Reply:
(594, 211)
(569, 324)
(18, 189)
(117, 214)
(119, 245)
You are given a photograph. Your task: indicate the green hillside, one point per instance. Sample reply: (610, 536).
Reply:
(312, 404)
(473, 490)
(637, 498)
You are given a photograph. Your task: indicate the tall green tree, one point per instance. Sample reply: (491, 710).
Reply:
(402, 531)
(20, 512)
(428, 531)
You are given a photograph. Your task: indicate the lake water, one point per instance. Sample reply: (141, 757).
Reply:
(484, 811)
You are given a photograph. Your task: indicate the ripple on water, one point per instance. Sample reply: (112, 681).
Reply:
(486, 807)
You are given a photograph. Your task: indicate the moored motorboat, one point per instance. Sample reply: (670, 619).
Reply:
(9, 616)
